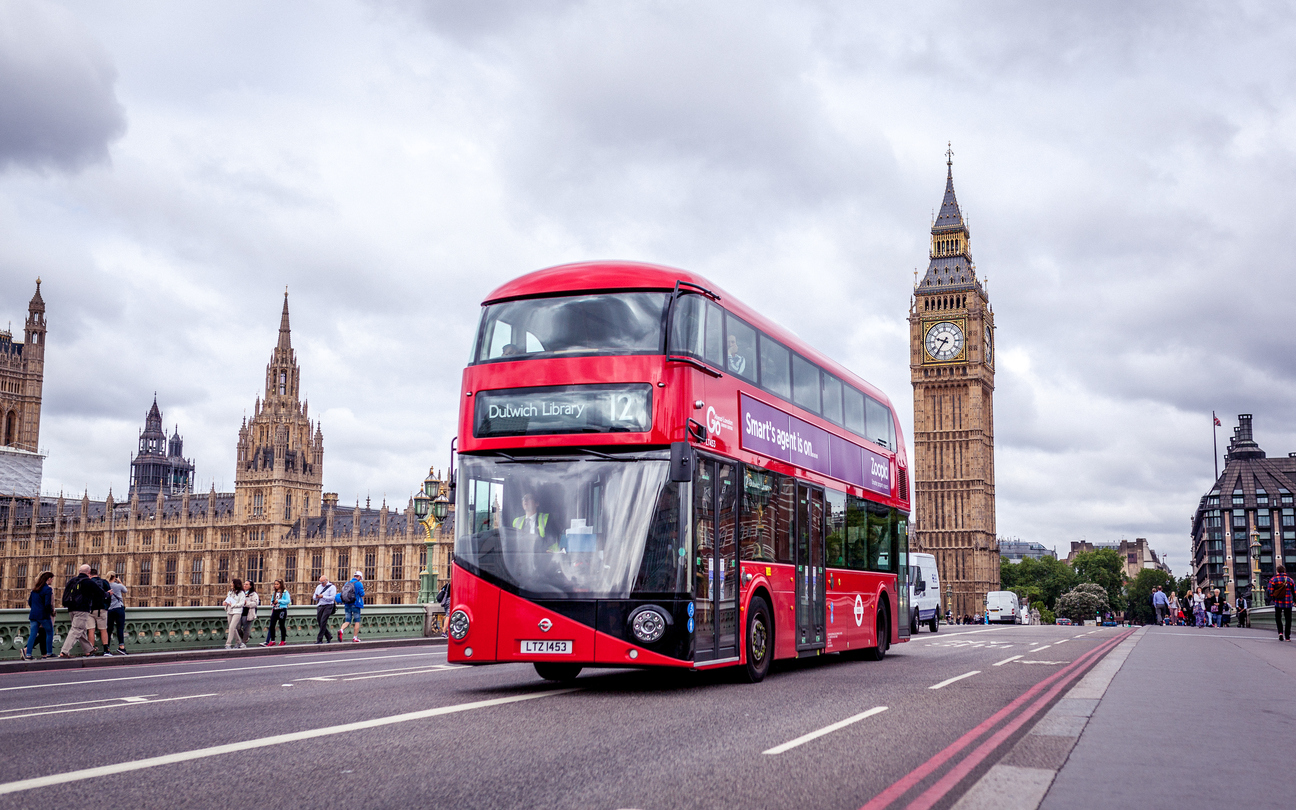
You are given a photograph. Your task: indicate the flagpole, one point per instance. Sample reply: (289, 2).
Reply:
(1215, 442)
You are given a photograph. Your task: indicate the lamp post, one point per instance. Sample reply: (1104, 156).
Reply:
(430, 507)
(1257, 592)
(949, 600)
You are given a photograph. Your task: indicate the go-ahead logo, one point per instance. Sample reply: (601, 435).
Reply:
(717, 423)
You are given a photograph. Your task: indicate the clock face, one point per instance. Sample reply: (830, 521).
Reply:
(989, 351)
(944, 341)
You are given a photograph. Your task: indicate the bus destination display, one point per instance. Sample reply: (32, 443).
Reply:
(563, 409)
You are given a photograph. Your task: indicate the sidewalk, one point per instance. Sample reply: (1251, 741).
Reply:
(207, 653)
(1173, 717)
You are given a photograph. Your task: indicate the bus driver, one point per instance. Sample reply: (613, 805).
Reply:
(534, 522)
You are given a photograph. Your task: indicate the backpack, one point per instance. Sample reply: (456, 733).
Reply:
(76, 597)
(1279, 589)
(348, 592)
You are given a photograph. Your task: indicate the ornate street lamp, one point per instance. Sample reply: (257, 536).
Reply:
(949, 600)
(1257, 592)
(430, 507)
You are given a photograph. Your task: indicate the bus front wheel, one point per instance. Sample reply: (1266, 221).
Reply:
(883, 638)
(562, 673)
(760, 641)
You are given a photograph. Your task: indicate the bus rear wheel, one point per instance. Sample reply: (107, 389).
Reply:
(562, 673)
(760, 641)
(883, 638)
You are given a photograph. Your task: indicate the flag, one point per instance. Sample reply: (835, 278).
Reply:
(1216, 418)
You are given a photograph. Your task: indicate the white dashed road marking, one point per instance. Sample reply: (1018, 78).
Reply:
(1006, 660)
(829, 729)
(949, 681)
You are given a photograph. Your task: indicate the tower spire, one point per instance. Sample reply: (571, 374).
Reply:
(285, 332)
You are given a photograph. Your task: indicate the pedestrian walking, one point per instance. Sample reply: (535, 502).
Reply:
(1281, 589)
(1213, 607)
(1225, 609)
(251, 601)
(1199, 608)
(117, 610)
(80, 597)
(352, 603)
(443, 596)
(279, 602)
(234, 611)
(1160, 604)
(40, 616)
(1243, 612)
(1172, 607)
(325, 592)
(101, 614)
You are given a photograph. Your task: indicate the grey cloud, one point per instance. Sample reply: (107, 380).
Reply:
(58, 106)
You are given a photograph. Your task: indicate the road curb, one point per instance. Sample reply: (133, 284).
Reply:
(181, 656)
(1022, 778)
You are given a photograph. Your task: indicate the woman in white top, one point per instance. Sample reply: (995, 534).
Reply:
(250, 603)
(234, 611)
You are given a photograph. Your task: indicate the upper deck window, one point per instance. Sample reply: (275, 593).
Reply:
(608, 323)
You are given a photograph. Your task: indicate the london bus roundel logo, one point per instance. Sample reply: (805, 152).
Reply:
(859, 610)
(545, 625)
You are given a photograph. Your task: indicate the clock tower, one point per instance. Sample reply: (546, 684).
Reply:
(951, 361)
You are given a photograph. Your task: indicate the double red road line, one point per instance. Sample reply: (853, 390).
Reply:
(1057, 681)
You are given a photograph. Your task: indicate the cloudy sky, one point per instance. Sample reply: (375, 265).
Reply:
(1127, 171)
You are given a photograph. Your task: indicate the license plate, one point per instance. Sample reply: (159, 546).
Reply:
(547, 647)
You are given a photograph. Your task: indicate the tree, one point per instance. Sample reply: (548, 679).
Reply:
(1042, 580)
(1140, 593)
(1084, 601)
(1104, 567)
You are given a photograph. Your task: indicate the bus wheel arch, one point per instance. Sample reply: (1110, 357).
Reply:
(758, 637)
(883, 625)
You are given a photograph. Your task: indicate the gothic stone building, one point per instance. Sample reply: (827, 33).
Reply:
(22, 376)
(160, 465)
(176, 547)
(951, 339)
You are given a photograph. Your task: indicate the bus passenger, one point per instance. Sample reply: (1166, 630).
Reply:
(737, 363)
(534, 522)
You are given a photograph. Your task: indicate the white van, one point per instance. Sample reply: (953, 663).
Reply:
(924, 591)
(1003, 607)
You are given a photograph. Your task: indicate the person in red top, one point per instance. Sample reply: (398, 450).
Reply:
(1281, 590)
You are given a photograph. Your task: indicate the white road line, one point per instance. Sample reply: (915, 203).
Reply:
(1062, 641)
(1006, 660)
(970, 632)
(1037, 649)
(106, 706)
(437, 668)
(829, 729)
(235, 669)
(949, 681)
(73, 703)
(248, 745)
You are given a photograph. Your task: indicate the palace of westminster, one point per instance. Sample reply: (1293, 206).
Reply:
(173, 546)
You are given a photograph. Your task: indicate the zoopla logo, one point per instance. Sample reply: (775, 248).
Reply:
(716, 422)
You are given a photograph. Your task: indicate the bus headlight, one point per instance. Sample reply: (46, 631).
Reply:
(648, 624)
(458, 625)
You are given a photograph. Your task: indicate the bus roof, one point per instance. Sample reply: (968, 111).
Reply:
(625, 275)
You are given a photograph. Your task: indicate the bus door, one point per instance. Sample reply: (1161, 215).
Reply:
(715, 570)
(810, 598)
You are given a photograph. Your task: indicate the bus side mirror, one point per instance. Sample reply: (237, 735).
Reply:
(681, 462)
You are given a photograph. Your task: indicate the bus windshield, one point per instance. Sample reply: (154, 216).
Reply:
(608, 323)
(577, 527)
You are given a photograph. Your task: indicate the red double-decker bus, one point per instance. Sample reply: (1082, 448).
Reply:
(652, 474)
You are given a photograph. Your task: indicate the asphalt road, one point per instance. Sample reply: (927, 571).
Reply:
(416, 731)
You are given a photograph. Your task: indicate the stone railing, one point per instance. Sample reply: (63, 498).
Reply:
(187, 628)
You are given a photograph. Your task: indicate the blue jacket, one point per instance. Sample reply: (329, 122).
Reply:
(41, 603)
(359, 590)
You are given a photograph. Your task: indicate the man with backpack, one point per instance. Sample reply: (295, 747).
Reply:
(81, 596)
(1281, 589)
(352, 596)
(100, 614)
(443, 596)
